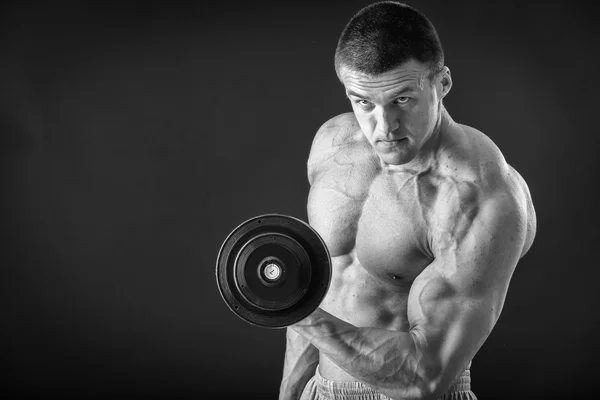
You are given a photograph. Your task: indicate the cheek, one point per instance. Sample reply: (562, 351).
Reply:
(365, 123)
(419, 121)
(426, 115)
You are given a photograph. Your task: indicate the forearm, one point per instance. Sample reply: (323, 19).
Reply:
(301, 360)
(388, 361)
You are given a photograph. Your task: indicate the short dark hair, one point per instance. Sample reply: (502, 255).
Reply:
(385, 35)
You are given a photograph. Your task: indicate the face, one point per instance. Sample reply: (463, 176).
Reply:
(398, 110)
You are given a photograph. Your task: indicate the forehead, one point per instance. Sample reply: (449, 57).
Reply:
(410, 75)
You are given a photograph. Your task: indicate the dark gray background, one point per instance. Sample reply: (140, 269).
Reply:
(134, 138)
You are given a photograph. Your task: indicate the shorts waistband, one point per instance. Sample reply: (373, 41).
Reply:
(359, 390)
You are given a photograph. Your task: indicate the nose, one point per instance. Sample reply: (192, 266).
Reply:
(387, 121)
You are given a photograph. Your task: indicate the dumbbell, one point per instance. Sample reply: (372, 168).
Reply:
(273, 270)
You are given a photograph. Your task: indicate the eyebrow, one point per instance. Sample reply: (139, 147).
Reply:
(396, 94)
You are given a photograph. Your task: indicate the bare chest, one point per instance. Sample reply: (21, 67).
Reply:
(376, 218)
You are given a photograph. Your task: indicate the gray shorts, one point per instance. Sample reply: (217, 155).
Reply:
(319, 388)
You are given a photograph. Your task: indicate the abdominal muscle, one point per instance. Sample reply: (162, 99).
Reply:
(359, 298)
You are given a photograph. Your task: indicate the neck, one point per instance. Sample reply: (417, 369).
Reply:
(426, 155)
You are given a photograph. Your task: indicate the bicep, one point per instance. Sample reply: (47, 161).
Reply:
(455, 302)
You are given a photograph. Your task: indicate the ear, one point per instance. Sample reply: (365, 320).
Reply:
(445, 82)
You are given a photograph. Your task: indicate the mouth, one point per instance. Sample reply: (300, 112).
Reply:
(391, 143)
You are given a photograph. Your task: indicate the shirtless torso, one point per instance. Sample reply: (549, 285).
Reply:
(380, 224)
(425, 222)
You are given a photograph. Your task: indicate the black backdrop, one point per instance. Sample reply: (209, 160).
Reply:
(134, 138)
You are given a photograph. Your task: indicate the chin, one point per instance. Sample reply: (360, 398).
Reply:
(396, 159)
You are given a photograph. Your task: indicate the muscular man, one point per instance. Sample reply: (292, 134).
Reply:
(424, 219)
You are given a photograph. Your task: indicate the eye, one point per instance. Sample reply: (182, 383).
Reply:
(402, 100)
(363, 103)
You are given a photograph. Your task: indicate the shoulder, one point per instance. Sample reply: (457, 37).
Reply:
(339, 134)
(468, 155)
(480, 185)
(338, 131)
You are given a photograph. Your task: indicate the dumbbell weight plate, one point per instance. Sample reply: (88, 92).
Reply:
(273, 270)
